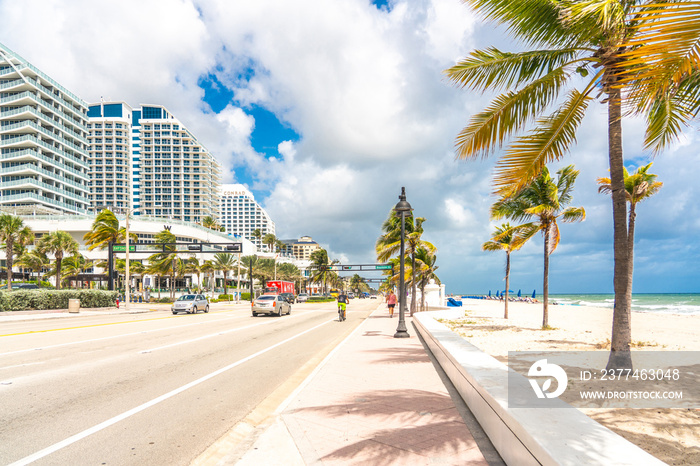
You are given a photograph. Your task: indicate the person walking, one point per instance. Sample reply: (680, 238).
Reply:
(391, 302)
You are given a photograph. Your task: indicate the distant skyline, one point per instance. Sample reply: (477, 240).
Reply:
(324, 110)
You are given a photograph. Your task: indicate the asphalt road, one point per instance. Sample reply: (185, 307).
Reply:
(150, 388)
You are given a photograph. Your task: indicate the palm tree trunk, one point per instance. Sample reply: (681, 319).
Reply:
(9, 246)
(413, 283)
(505, 313)
(620, 356)
(545, 281)
(630, 246)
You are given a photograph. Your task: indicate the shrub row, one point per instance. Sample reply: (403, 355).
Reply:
(23, 300)
(316, 299)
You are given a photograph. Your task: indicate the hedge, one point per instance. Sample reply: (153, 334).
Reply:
(316, 299)
(23, 300)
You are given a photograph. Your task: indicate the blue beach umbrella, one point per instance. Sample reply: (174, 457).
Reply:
(518, 293)
(489, 293)
(533, 294)
(497, 293)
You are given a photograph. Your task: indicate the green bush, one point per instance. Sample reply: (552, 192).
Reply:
(317, 299)
(245, 296)
(22, 300)
(165, 300)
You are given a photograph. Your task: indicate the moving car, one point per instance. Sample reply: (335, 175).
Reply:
(289, 297)
(302, 297)
(190, 303)
(271, 304)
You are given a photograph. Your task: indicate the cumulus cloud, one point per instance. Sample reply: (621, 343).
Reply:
(364, 90)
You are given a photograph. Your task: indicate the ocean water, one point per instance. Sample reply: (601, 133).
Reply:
(663, 303)
(684, 303)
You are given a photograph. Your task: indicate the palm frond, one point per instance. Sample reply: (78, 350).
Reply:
(493, 69)
(533, 21)
(527, 156)
(508, 113)
(666, 44)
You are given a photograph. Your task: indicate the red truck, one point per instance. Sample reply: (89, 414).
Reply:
(279, 287)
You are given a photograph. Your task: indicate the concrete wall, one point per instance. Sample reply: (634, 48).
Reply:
(522, 436)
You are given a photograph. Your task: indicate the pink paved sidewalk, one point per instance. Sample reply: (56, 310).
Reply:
(379, 400)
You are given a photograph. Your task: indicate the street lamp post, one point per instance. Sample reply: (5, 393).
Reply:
(403, 208)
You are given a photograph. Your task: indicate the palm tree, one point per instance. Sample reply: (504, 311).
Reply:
(193, 266)
(224, 262)
(507, 238)
(257, 234)
(58, 243)
(12, 230)
(425, 268)
(599, 45)
(543, 199)
(321, 266)
(269, 240)
(35, 261)
(209, 222)
(105, 229)
(638, 186)
(389, 243)
(75, 265)
(164, 263)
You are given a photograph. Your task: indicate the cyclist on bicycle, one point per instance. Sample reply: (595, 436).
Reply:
(342, 303)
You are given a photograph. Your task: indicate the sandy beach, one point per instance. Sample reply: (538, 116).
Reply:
(672, 435)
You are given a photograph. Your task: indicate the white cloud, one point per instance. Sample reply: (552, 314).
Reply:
(364, 89)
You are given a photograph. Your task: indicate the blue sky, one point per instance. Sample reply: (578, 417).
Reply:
(326, 109)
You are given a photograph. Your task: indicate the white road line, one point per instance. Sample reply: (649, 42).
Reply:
(109, 422)
(108, 338)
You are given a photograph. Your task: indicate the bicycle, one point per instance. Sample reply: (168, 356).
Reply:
(341, 312)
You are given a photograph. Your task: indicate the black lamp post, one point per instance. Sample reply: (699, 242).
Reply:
(403, 208)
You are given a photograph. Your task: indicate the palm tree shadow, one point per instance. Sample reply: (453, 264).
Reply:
(437, 432)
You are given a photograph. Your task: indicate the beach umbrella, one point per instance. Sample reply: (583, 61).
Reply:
(497, 293)
(533, 294)
(518, 293)
(489, 293)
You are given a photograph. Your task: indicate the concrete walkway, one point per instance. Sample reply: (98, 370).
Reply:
(376, 400)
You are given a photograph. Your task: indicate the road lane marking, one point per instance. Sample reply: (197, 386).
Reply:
(102, 338)
(109, 422)
(99, 325)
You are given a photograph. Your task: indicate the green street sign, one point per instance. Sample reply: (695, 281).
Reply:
(122, 248)
(382, 267)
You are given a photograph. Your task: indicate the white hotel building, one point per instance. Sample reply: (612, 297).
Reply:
(241, 215)
(43, 142)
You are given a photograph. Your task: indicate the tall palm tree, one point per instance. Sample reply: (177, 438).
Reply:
(257, 234)
(58, 243)
(321, 268)
(164, 263)
(225, 263)
(105, 229)
(425, 270)
(601, 47)
(638, 186)
(35, 261)
(543, 200)
(270, 240)
(193, 266)
(389, 244)
(507, 238)
(12, 230)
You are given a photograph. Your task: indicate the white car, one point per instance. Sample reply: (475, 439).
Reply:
(272, 304)
(302, 297)
(190, 303)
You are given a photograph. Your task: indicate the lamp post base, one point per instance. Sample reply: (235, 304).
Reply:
(401, 331)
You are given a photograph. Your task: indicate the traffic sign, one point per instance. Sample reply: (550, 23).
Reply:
(122, 248)
(383, 267)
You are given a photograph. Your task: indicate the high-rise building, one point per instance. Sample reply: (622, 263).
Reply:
(304, 247)
(179, 178)
(152, 163)
(43, 142)
(241, 215)
(110, 156)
